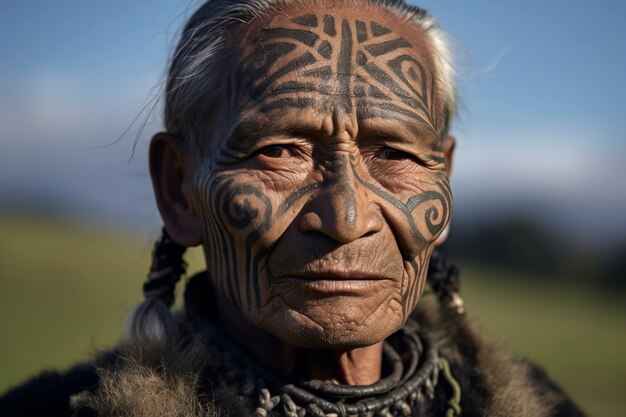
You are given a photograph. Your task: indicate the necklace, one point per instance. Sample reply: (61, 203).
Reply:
(409, 354)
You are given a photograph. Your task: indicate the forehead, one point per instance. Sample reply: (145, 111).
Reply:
(353, 60)
(327, 23)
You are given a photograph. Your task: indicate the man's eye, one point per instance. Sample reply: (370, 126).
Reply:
(394, 154)
(274, 151)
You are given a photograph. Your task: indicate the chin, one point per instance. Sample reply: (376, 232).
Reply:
(310, 331)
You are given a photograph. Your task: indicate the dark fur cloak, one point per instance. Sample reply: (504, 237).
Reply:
(173, 381)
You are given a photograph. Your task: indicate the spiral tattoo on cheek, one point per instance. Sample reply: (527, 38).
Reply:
(237, 216)
(426, 214)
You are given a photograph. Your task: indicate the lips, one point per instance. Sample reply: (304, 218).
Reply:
(336, 275)
(333, 283)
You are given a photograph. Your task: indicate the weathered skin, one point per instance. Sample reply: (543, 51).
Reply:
(329, 189)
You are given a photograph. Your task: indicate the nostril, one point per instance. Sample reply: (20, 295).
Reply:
(310, 222)
(329, 223)
(370, 233)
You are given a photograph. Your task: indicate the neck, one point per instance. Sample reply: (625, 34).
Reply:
(357, 366)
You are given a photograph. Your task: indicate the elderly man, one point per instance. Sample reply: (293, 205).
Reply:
(306, 149)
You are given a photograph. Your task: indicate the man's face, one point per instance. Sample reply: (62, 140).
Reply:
(322, 205)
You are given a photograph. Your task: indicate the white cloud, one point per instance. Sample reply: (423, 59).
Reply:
(537, 160)
(574, 177)
(52, 109)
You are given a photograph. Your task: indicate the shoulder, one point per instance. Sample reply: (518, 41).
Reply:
(562, 405)
(48, 394)
(493, 381)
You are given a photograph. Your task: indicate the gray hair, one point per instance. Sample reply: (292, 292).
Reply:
(192, 101)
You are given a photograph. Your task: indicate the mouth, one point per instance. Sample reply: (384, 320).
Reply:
(337, 283)
(336, 275)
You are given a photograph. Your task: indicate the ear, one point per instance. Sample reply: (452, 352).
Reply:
(447, 145)
(171, 171)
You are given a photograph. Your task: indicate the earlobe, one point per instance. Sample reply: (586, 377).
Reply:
(171, 170)
(443, 236)
(447, 145)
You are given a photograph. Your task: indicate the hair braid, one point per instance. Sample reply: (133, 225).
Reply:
(443, 277)
(151, 322)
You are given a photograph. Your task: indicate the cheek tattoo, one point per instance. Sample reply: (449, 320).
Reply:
(435, 206)
(238, 216)
(233, 209)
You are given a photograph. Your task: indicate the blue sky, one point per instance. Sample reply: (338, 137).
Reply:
(561, 62)
(541, 84)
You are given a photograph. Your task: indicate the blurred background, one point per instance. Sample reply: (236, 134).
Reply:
(539, 229)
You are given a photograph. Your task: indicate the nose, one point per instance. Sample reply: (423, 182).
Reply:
(342, 208)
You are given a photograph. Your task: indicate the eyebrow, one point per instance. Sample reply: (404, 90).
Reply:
(244, 135)
(388, 124)
(249, 129)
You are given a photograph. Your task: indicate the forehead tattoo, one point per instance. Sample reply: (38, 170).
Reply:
(354, 64)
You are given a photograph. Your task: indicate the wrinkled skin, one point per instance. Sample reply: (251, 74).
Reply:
(329, 189)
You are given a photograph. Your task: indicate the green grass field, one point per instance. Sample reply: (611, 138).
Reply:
(64, 290)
